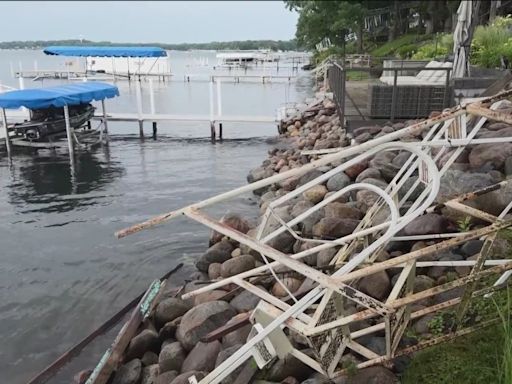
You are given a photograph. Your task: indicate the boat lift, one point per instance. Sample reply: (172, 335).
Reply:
(62, 96)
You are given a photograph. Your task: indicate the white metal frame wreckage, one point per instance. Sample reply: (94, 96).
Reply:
(318, 314)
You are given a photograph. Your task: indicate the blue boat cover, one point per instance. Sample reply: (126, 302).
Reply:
(105, 51)
(73, 94)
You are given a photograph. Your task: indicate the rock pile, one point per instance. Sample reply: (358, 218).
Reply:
(168, 348)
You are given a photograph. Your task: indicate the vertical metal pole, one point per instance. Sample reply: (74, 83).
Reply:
(138, 93)
(212, 122)
(6, 130)
(21, 82)
(12, 69)
(68, 132)
(393, 97)
(105, 124)
(446, 86)
(152, 105)
(219, 99)
(220, 131)
(35, 65)
(343, 94)
(151, 96)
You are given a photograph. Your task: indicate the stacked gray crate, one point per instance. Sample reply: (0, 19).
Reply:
(412, 100)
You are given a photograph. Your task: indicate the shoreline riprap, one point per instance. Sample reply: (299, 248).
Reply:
(169, 348)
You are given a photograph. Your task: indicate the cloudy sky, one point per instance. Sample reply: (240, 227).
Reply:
(158, 21)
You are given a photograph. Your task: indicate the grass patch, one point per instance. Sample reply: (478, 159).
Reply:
(471, 359)
(402, 46)
(357, 75)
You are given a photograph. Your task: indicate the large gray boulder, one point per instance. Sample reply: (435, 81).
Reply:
(166, 377)
(147, 340)
(338, 182)
(233, 221)
(245, 301)
(171, 357)
(237, 265)
(202, 357)
(491, 154)
(169, 309)
(333, 228)
(201, 320)
(128, 373)
(341, 210)
(149, 374)
(217, 253)
(455, 182)
(376, 285)
(428, 224)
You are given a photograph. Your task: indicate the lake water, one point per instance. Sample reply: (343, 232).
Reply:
(62, 272)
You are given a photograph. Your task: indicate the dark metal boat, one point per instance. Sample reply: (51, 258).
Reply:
(50, 121)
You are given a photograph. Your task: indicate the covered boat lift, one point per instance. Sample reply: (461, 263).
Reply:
(59, 97)
(113, 53)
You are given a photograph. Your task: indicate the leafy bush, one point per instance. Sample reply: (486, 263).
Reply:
(492, 42)
(391, 48)
(432, 50)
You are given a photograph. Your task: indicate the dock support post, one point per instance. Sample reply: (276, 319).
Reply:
(6, 129)
(69, 133)
(220, 131)
(138, 94)
(212, 122)
(212, 131)
(105, 125)
(141, 129)
(155, 129)
(152, 105)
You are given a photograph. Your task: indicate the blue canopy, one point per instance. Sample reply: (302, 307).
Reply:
(73, 94)
(105, 51)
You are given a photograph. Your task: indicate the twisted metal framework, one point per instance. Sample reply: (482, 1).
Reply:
(320, 314)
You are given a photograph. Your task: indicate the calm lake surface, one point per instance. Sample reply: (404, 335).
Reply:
(62, 272)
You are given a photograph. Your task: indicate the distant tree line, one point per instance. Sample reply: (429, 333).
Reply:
(274, 45)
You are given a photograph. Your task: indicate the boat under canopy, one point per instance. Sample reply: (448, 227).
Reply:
(58, 96)
(79, 51)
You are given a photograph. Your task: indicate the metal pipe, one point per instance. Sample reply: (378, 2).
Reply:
(69, 133)
(105, 124)
(6, 130)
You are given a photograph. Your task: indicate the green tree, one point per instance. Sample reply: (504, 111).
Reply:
(328, 19)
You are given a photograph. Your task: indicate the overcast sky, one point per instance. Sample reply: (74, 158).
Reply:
(148, 21)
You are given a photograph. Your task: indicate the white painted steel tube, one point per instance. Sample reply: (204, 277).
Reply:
(211, 102)
(6, 130)
(69, 132)
(138, 94)
(219, 99)
(151, 97)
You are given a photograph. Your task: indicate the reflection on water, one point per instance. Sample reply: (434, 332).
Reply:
(53, 177)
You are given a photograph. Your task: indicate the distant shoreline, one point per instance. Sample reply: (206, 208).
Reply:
(274, 45)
